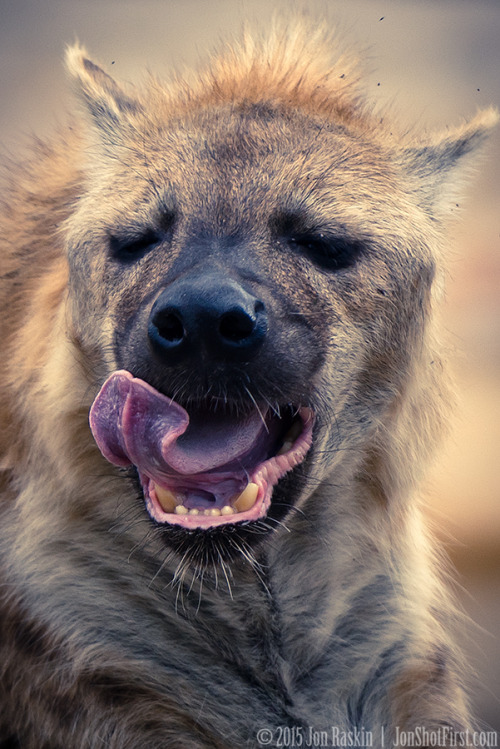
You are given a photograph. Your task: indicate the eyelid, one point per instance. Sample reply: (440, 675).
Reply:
(330, 252)
(134, 246)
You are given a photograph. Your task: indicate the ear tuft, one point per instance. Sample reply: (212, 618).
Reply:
(443, 161)
(466, 138)
(108, 104)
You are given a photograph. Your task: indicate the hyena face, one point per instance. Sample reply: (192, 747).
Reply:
(253, 277)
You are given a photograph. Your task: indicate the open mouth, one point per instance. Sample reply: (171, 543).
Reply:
(203, 468)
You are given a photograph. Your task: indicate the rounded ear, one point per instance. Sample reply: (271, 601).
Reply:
(442, 163)
(110, 107)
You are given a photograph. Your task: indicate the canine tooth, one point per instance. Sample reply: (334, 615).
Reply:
(247, 498)
(293, 432)
(227, 510)
(194, 511)
(166, 498)
(286, 446)
(181, 510)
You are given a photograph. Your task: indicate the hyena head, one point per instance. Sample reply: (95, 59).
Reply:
(251, 265)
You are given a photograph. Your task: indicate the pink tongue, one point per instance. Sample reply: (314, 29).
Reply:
(133, 423)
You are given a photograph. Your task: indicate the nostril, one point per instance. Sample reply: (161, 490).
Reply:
(236, 326)
(206, 319)
(169, 326)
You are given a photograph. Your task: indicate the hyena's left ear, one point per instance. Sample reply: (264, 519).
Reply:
(111, 108)
(444, 160)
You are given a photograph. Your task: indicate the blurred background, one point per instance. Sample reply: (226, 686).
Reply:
(434, 62)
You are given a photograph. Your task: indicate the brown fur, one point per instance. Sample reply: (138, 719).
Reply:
(338, 617)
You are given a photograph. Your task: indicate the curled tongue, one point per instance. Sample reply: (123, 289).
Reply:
(133, 423)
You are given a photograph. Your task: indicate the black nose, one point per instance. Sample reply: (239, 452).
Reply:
(207, 316)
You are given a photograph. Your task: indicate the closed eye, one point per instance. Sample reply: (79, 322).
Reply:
(130, 248)
(331, 253)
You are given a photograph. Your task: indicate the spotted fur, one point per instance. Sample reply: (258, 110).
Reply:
(336, 616)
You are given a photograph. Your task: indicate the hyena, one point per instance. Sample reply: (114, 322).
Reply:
(220, 381)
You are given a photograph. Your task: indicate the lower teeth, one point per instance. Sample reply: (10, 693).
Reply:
(181, 510)
(170, 503)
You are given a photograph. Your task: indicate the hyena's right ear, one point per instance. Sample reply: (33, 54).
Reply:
(110, 107)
